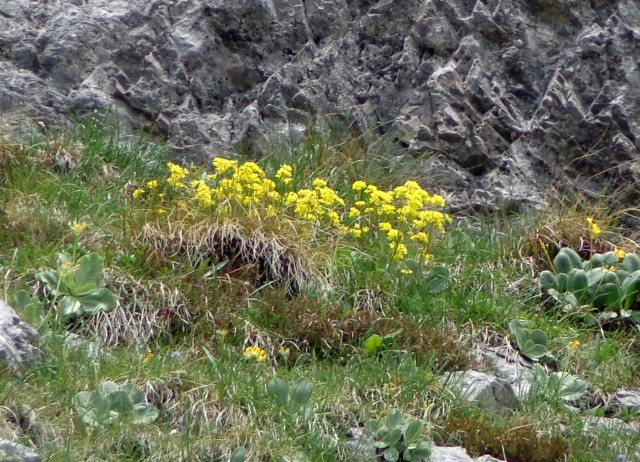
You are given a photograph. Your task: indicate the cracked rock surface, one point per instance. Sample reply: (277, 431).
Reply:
(508, 97)
(18, 341)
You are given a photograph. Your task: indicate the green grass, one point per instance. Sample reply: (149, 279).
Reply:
(199, 320)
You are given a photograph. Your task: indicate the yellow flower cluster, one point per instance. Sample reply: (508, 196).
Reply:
(255, 353)
(405, 216)
(318, 203)
(594, 229)
(176, 175)
(79, 227)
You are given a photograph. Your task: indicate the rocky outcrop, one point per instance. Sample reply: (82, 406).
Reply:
(488, 391)
(506, 97)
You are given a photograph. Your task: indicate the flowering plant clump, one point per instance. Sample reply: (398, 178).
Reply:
(255, 353)
(403, 217)
(609, 281)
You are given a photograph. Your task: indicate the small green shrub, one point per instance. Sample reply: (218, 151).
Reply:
(559, 386)
(531, 343)
(398, 438)
(294, 399)
(601, 283)
(112, 403)
(77, 288)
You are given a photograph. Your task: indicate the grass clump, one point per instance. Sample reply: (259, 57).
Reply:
(511, 439)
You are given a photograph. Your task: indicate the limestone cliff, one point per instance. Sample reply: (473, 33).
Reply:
(511, 97)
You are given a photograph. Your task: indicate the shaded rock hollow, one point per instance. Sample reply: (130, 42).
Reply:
(508, 98)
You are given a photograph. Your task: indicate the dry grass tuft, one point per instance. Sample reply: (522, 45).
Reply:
(562, 226)
(513, 440)
(278, 260)
(193, 410)
(29, 220)
(143, 312)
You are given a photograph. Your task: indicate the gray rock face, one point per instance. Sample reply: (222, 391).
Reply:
(595, 425)
(510, 97)
(490, 392)
(628, 399)
(453, 454)
(509, 365)
(14, 452)
(17, 341)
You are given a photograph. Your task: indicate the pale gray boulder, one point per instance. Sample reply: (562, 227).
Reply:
(15, 452)
(628, 399)
(595, 425)
(488, 391)
(449, 454)
(18, 341)
(509, 365)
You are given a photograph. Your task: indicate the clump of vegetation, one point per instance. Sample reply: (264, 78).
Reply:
(254, 213)
(510, 439)
(268, 307)
(112, 403)
(77, 287)
(399, 439)
(604, 282)
(531, 343)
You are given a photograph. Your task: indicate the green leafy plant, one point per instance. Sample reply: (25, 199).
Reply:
(437, 279)
(531, 343)
(239, 455)
(398, 439)
(77, 287)
(31, 308)
(112, 403)
(295, 399)
(560, 386)
(375, 343)
(601, 282)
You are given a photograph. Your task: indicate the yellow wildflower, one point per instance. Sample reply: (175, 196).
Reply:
(354, 212)
(358, 185)
(420, 237)
(148, 357)
(319, 183)
(385, 226)
(594, 229)
(406, 271)
(394, 234)
(333, 216)
(176, 175)
(223, 165)
(255, 353)
(399, 250)
(79, 227)
(152, 184)
(285, 173)
(137, 193)
(291, 198)
(355, 232)
(619, 253)
(574, 345)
